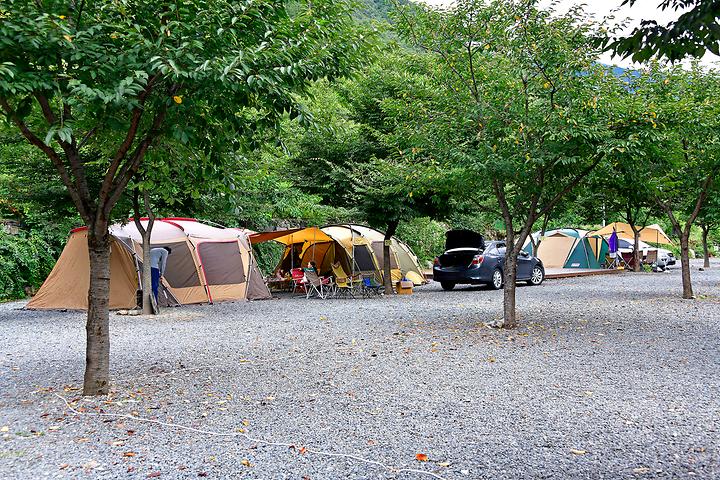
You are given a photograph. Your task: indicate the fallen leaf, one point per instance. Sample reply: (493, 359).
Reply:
(5, 429)
(578, 452)
(302, 450)
(491, 359)
(246, 422)
(63, 466)
(117, 443)
(129, 454)
(153, 475)
(246, 462)
(421, 457)
(443, 464)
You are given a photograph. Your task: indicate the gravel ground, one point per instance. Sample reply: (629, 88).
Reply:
(608, 377)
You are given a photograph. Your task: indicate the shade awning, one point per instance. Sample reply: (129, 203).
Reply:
(650, 234)
(293, 235)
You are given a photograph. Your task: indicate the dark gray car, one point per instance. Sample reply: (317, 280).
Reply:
(468, 259)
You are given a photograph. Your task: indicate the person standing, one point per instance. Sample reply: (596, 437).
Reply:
(158, 262)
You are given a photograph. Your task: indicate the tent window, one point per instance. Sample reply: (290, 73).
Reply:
(222, 263)
(363, 260)
(180, 271)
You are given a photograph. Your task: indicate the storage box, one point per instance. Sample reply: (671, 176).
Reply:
(404, 287)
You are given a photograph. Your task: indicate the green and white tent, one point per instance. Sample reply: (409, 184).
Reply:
(570, 248)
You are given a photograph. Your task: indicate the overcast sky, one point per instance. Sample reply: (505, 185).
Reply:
(643, 9)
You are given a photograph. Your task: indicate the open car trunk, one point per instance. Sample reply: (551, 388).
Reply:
(459, 258)
(463, 239)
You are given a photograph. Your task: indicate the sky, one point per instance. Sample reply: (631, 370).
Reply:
(600, 9)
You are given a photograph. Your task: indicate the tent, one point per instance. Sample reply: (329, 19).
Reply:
(650, 234)
(570, 248)
(208, 264)
(357, 248)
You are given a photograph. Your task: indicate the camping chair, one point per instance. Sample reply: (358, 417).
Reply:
(344, 285)
(615, 262)
(315, 285)
(652, 257)
(370, 286)
(298, 279)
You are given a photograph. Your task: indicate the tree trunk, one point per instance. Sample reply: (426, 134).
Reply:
(97, 357)
(147, 274)
(706, 251)
(510, 276)
(387, 270)
(145, 234)
(685, 263)
(636, 251)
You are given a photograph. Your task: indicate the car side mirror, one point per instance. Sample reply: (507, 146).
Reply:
(524, 253)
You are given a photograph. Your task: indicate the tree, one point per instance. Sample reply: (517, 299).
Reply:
(709, 220)
(692, 34)
(110, 79)
(688, 167)
(527, 111)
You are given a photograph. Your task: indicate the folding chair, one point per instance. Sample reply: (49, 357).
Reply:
(370, 286)
(298, 280)
(315, 285)
(344, 285)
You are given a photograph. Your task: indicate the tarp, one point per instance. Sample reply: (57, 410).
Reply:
(650, 234)
(207, 264)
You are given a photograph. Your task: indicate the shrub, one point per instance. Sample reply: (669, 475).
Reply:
(25, 261)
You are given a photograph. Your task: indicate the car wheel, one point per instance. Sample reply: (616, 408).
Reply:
(537, 276)
(447, 286)
(497, 279)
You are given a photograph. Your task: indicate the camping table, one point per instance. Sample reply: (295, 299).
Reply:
(279, 285)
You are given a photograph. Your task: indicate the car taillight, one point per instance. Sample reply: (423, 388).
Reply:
(436, 262)
(477, 260)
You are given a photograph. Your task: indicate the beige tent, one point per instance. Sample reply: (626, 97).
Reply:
(207, 264)
(650, 234)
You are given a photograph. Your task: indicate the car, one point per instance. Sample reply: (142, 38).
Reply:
(469, 260)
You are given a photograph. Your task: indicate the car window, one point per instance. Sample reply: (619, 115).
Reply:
(501, 251)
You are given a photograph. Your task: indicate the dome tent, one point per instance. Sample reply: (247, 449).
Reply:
(207, 264)
(570, 248)
(356, 248)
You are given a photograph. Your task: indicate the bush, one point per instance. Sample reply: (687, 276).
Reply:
(425, 236)
(25, 261)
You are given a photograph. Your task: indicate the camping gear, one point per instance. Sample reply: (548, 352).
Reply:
(208, 264)
(298, 278)
(404, 287)
(358, 249)
(570, 248)
(650, 234)
(344, 285)
(317, 286)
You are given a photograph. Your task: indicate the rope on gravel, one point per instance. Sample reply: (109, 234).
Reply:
(303, 450)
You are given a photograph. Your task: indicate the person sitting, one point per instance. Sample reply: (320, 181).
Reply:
(313, 266)
(280, 274)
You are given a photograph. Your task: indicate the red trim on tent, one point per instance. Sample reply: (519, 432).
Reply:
(79, 229)
(172, 223)
(180, 219)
